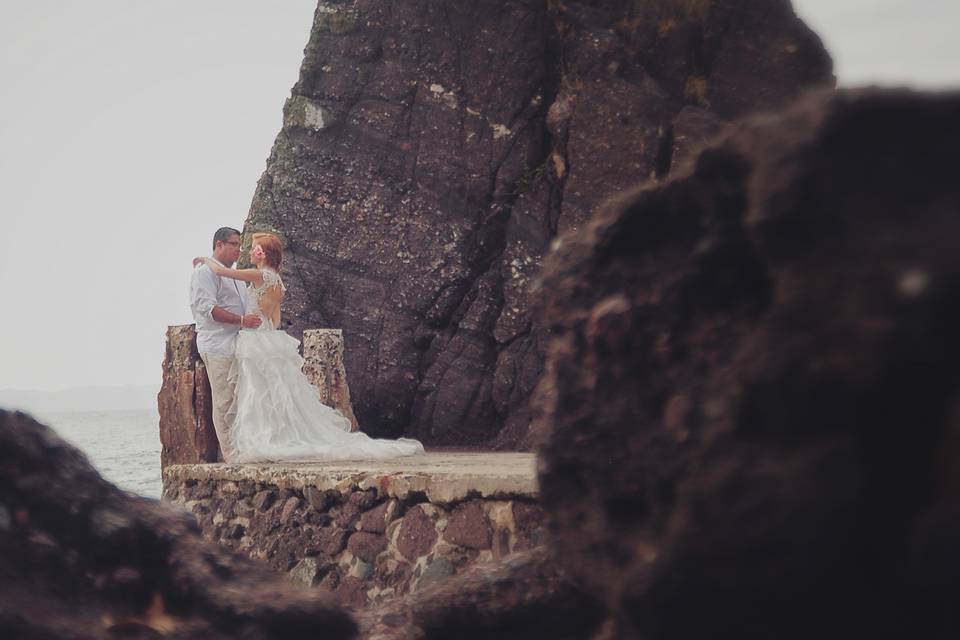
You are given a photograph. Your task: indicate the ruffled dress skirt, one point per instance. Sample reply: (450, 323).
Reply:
(278, 413)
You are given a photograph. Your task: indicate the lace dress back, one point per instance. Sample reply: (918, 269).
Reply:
(271, 279)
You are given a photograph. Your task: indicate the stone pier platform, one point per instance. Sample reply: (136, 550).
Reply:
(368, 530)
(443, 477)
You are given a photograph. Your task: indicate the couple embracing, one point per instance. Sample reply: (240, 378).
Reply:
(264, 408)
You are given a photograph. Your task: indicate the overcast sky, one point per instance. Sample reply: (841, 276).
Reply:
(131, 129)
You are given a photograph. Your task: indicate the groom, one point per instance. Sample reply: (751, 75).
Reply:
(218, 309)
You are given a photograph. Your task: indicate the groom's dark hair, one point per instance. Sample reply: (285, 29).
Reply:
(222, 234)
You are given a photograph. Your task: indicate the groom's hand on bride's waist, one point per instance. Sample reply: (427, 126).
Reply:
(250, 321)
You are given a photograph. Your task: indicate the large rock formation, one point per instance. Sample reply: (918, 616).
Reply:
(431, 151)
(81, 559)
(751, 405)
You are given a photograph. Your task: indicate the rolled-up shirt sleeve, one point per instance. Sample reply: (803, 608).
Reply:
(203, 292)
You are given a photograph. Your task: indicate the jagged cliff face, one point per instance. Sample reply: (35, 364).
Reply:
(431, 151)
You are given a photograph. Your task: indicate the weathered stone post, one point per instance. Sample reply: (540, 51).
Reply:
(323, 366)
(186, 410)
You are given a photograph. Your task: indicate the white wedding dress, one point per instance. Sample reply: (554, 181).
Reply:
(278, 413)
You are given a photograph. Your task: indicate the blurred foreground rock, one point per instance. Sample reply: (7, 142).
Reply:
(751, 405)
(81, 559)
(526, 596)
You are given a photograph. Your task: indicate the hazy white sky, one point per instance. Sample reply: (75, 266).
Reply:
(131, 129)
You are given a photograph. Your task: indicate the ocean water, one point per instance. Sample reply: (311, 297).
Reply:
(124, 446)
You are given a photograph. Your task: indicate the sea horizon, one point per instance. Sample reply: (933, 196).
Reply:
(81, 398)
(122, 444)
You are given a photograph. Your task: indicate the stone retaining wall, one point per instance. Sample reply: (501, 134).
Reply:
(367, 535)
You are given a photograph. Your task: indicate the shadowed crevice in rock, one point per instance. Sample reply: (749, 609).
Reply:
(431, 152)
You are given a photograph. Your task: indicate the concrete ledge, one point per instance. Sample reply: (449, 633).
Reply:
(444, 477)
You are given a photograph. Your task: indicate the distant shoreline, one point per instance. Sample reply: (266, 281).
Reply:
(59, 412)
(81, 399)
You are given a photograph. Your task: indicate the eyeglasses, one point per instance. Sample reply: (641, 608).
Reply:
(236, 243)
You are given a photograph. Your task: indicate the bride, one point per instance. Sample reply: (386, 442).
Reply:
(279, 416)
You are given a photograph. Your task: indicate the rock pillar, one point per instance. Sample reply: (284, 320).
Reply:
(186, 408)
(323, 366)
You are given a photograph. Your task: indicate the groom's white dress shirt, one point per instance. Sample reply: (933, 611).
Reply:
(207, 290)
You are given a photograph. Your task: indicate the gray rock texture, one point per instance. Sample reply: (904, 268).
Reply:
(431, 151)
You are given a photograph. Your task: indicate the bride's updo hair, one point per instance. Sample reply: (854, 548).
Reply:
(272, 249)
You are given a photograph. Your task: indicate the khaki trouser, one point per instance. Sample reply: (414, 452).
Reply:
(223, 388)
